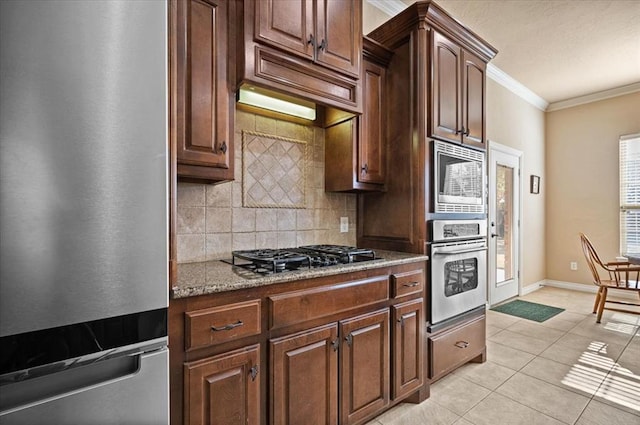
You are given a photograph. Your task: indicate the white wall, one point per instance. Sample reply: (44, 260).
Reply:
(583, 181)
(513, 122)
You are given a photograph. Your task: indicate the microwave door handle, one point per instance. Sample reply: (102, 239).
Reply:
(462, 251)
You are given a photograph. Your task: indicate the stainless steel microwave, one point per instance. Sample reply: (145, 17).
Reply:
(460, 179)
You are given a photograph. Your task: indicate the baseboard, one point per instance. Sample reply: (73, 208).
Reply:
(587, 288)
(531, 288)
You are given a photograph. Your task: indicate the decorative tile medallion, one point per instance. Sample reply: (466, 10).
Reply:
(273, 171)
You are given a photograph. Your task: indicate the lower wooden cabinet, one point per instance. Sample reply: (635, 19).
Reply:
(457, 345)
(364, 366)
(304, 377)
(336, 350)
(224, 389)
(408, 347)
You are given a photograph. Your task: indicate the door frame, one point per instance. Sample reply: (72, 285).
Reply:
(495, 146)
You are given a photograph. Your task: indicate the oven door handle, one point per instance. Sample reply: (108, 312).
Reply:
(461, 251)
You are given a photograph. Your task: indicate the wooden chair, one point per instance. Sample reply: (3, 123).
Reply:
(621, 275)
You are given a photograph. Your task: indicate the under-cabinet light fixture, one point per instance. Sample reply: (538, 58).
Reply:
(250, 96)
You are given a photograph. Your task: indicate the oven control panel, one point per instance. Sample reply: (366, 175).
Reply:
(445, 230)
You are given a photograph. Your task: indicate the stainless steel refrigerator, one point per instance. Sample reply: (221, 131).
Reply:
(83, 212)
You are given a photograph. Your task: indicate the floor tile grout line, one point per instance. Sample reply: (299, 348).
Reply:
(615, 362)
(608, 373)
(531, 407)
(469, 409)
(557, 386)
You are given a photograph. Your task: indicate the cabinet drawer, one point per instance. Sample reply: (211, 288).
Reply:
(407, 283)
(300, 306)
(456, 346)
(221, 324)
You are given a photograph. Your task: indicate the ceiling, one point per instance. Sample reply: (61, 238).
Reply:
(558, 49)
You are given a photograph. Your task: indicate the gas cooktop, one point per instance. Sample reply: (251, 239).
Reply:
(268, 261)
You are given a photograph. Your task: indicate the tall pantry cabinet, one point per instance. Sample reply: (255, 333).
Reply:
(435, 89)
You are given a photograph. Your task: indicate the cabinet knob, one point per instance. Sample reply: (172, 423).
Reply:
(458, 131)
(335, 344)
(365, 169)
(223, 147)
(349, 339)
(254, 372)
(323, 44)
(312, 41)
(466, 133)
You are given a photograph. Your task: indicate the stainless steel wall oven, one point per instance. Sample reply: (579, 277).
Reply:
(458, 269)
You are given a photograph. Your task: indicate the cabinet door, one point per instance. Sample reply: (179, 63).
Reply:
(339, 35)
(372, 145)
(408, 347)
(223, 390)
(304, 378)
(364, 366)
(205, 107)
(473, 81)
(446, 94)
(287, 25)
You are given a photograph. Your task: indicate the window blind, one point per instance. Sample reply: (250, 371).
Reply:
(630, 194)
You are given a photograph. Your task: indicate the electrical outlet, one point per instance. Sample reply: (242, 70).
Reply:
(344, 224)
(573, 265)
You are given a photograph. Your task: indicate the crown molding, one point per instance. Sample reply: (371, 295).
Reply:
(390, 7)
(517, 88)
(594, 97)
(393, 7)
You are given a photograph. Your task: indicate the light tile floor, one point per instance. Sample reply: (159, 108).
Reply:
(567, 370)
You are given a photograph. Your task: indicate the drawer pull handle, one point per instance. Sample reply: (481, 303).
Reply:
(462, 344)
(411, 284)
(227, 327)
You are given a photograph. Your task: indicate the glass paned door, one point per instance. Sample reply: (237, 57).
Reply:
(504, 218)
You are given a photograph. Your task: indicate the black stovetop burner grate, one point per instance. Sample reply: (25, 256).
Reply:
(266, 261)
(348, 253)
(272, 260)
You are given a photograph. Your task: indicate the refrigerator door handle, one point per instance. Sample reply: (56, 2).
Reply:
(117, 400)
(60, 380)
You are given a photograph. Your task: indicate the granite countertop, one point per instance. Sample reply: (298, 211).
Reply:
(215, 276)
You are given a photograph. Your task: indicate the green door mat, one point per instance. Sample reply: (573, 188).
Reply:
(527, 310)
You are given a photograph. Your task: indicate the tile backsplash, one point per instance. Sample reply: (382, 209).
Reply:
(212, 220)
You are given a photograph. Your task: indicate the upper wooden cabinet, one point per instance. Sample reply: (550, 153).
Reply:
(473, 99)
(435, 89)
(356, 149)
(202, 93)
(338, 36)
(305, 48)
(325, 31)
(458, 88)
